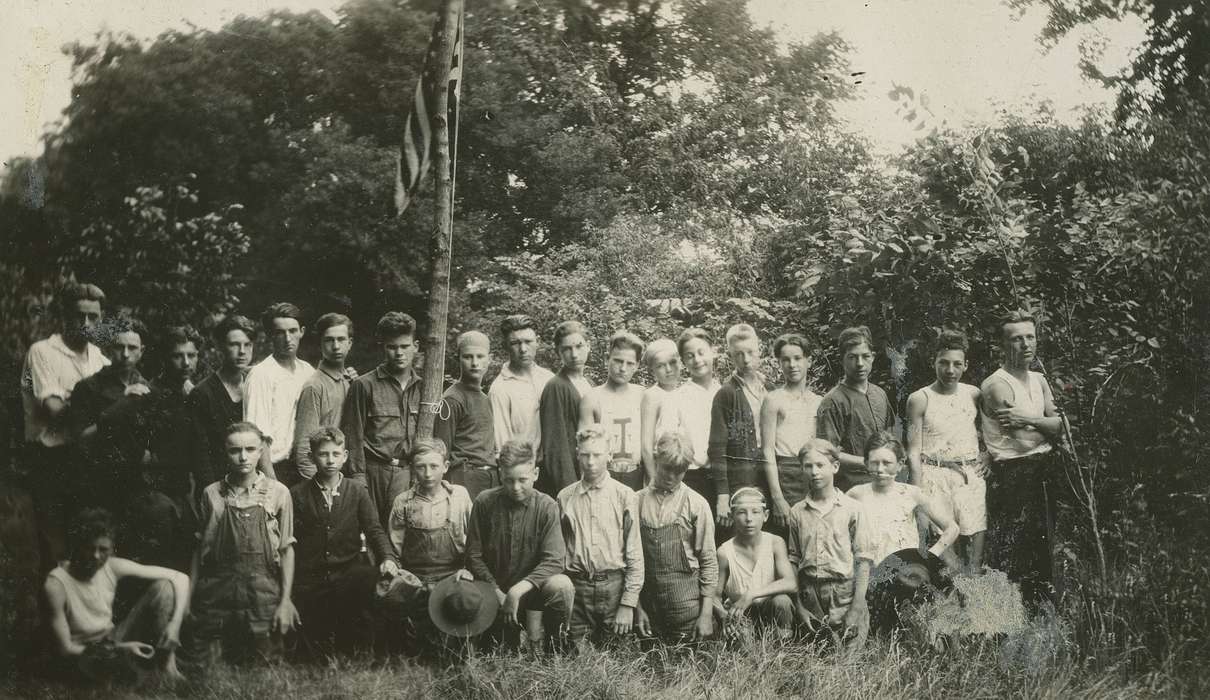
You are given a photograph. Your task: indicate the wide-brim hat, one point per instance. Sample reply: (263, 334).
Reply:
(888, 571)
(399, 589)
(463, 608)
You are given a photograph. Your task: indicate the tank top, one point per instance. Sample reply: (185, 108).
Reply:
(892, 518)
(621, 414)
(1021, 442)
(797, 425)
(948, 428)
(89, 603)
(744, 576)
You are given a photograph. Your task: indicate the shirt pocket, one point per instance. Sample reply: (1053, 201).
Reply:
(385, 422)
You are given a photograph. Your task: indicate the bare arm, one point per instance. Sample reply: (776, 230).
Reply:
(786, 582)
(915, 429)
(56, 599)
(180, 590)
(590, 411)
(941, 517)
(769, 409)
(651, 407)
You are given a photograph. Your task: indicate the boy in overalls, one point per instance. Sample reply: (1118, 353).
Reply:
(428, 527)
(677, 601)
(244, 567)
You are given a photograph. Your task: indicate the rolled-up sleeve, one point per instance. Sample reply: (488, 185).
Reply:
(861, 532)
(44, 381)
(704, 549)
(285, 519)
(632, 545)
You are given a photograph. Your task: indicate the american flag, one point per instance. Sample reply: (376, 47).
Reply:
(413, 158)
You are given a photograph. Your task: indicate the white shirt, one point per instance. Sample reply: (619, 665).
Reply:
(53, 369)
(514, 400)
(689, 409)
(271, 400)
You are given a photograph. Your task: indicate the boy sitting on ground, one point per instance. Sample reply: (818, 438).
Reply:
(244, 566)
(677, 602)
(754, 570)
(335, 581)
(80, 594)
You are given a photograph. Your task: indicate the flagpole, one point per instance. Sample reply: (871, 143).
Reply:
(443, 232)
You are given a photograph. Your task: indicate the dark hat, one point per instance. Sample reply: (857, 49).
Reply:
(463, 608)
(891, 569)
(399, 589)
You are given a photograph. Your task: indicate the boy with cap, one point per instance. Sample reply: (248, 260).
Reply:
(755, 575)
(617, 405)
(464, 421)
(605, 552)
(515, 544)
(677, 602)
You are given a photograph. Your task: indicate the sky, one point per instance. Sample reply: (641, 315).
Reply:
(966, 60)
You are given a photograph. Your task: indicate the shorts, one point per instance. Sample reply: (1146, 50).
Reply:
(967, 499)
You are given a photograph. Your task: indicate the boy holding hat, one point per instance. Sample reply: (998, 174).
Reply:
(515, 543)
(755, 575)
(464, 421)
(605, 554)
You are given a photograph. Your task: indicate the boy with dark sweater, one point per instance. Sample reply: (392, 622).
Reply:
(735, 448)
(464, 422)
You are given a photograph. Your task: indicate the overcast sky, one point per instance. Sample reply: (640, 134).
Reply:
(969, 58)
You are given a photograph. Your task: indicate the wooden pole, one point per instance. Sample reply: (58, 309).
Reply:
(443, 232)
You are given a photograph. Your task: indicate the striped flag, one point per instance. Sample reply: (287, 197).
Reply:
(414, 156)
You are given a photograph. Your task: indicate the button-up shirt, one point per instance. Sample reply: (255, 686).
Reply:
(515, 405)
(319, 405)
(52, 370)
(601, 532)
(270, 495)
(848, 417)
(451, 503)
(691, 513)
(510, 542)
(826, 539)
(689, 408)
(271, 399)
(379, 418)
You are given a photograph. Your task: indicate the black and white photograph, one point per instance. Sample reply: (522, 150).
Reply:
(510, 349)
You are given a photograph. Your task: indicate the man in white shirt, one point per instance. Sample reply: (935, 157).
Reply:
(515, 392)
(52, 369)
(272, 388)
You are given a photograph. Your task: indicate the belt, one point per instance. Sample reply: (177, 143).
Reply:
(597, 577)
(955, 464)
(476, 467)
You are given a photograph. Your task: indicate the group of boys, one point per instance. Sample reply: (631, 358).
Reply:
(543, 505)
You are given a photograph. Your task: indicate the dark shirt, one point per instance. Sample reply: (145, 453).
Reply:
(732, 433)
(171, 435)
(465, 424)
(98, 398)
(211, 410)
(559, 413)
(326, 540)
(510, 542)
(847, 418)
(319, 406)
(116, 449)
(379, 418)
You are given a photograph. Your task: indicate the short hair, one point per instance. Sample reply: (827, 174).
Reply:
(332, 320)
(428, 446)
(468, 337)
(325, 434)
(952, 340)
(234, 322)
(740, 331)
(394, 324)
(73, 292)
(515, 452)
(884, 439)
(590, 433)
(674, 449)
(125, 324)
(88, 525)
(854, 336)
(243, 426)
(567, 328)
(656, 347)
(820, 445)
(516, 322)
(689, 334)
(746, 491)
(281, 309)
(625, 340)
(790, 339)
(179, 335)
(1016, 316)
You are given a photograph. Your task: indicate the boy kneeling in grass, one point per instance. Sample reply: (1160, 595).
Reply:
(679, 558)
(754, 570)
(831, 546)
(244, 566)
(335, 581)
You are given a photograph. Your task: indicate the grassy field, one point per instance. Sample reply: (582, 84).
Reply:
(1039, 663)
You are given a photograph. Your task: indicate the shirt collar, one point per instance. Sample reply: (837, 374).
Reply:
(411, 378)
(661, 492)
(338, 378)
(831, 503)
(255, 482)
(340, 479)
(533, 493)
(583, 488)
(445, 493)
(56, 341)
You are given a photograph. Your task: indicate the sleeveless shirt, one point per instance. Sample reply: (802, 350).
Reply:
(1021, 442)
(89, 603)
(947, 430)
(743, 576)
(798, 424)
(892, 518)
(621, 414)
